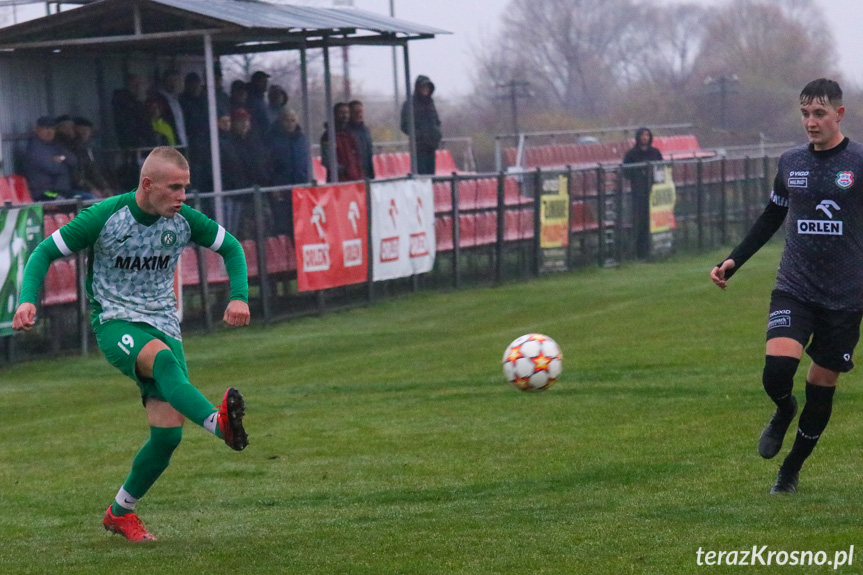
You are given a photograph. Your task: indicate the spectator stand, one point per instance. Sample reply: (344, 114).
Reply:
(156, 35)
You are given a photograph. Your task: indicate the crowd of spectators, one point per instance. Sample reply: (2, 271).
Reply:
(59, 162)
(354, 147)
(259, 139)
(259, 136)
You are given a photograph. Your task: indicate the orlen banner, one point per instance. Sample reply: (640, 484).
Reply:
(330, 230)
(403, 238)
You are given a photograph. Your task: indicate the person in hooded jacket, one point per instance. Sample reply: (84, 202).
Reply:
(290, 154)
(639, 177)
(426, 124)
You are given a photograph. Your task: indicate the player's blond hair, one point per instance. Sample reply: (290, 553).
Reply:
(160, 156)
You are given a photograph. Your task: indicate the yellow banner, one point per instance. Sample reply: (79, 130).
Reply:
(554, 213)
(662, 199)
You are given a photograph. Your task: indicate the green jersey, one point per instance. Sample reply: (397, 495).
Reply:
(132, 259)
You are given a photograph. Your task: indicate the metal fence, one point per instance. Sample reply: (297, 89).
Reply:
(487, 231)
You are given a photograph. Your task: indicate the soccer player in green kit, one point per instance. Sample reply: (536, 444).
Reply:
(134, 241)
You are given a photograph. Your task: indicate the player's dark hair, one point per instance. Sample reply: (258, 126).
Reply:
(823, 90)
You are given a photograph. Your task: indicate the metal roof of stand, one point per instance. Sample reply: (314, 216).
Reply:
(213, 28)
(176, 26)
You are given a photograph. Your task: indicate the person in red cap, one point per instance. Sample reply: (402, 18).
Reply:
(348, 162)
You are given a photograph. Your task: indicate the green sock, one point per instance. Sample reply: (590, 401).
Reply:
(147, 466)
(176, 389)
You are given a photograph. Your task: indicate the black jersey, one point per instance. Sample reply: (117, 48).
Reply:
(823, 258)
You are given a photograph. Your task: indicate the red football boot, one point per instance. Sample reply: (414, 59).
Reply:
(230, 420)
(129, 526)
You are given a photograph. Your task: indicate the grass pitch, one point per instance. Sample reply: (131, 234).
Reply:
(384, 440)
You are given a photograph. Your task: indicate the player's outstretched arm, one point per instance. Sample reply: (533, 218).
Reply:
(237, 313)
(719, 274)
(25, 317)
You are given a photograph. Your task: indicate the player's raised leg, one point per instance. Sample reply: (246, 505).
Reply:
(156, 361)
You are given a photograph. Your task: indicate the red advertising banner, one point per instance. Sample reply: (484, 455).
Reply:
(330, 234)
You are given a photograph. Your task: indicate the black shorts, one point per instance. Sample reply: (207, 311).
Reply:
(833, 333)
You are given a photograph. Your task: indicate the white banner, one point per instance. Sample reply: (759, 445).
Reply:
(403, 239)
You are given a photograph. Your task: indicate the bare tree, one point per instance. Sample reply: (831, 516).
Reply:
(619, 62)
(573, 51)
(768, 54)
(678, 33)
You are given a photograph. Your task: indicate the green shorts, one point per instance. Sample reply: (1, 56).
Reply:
(121, 341)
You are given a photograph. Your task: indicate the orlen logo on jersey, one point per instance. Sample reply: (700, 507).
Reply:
(819, 227)
(822, 227)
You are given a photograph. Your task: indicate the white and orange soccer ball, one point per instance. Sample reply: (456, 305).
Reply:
(532, 362)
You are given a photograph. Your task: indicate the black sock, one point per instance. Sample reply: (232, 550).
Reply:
(813, 421)
(778, 380)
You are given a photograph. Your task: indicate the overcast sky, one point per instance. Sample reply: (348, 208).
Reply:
(448, 59)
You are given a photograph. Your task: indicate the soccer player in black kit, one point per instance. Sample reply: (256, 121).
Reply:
(817, 302)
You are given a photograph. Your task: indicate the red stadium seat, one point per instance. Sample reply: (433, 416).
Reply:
(7, 194)
(467, 199)
(403, 163)
(512, 192)
(443, 233)
(189, 267)
(518, 224)
(525, 223)
(486, 193)
(531, 158)
(60, 285)
(216, 272)
(54, 221)
(20, 189)
(290, 251)
(486, 228)
(250, 248)
(380, 168)
(582, 218)
(277, 258)
(391, 168)
(467, 230)
(49, 225)
(442, 197)
(509, 156)
(569, 154)
(510, 225)
(444, 163)
(320, 174)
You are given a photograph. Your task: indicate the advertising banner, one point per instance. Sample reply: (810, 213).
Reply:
(403, 234)
(330, 234)
(21, 231)
(663, 197)
(554, 223)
